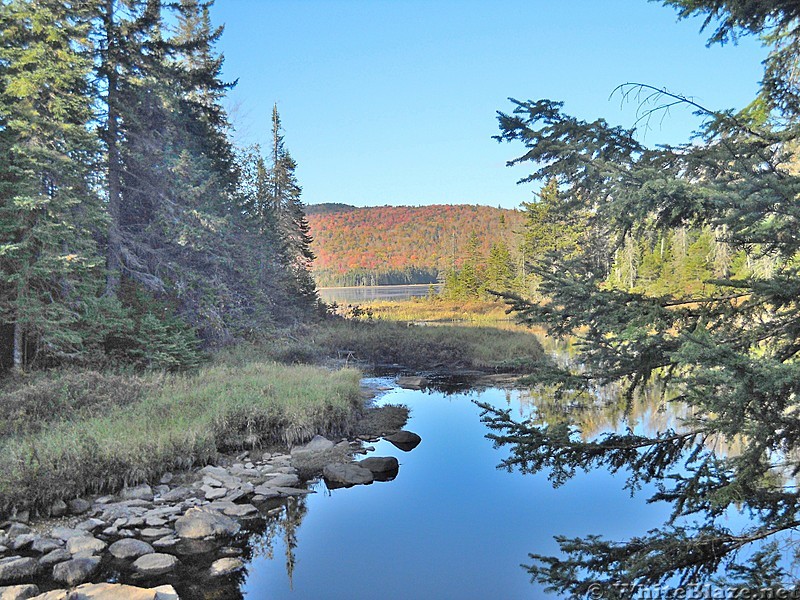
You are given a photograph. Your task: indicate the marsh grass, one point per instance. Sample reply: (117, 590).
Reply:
(438, 310)
(182, 421)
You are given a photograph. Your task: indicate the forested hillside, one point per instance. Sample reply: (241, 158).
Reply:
(402, 244)
(132, 230)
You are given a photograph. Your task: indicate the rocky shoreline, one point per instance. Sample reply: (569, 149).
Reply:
(135, 544)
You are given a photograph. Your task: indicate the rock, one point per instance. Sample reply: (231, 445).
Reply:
(289, 491)
(54, 557)
(155, 521)
(380, 464)
(104, 500)
(52, 595)
(45, 545)
(58, 508)
(85, 544)
(16, 529)
(404, 440)
(128, 549)
(166, 542)
(117, 591)
(214, 493)
(240, 510)
(78, 506)
(283, 480)
(266, 491)
(140, 492)
(19, 592)
(75, 571)
(90, 524)
(412, 382)
(225, 566)
(167, 477)
(17, 568)
(317, 444)
(347, 474)
(155, 564)
(21, 542)
(200, 523)
(22, 516)
(176, 495)
(66, 533)
(156, 532)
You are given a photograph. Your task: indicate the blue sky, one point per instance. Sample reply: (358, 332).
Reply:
(394, 101)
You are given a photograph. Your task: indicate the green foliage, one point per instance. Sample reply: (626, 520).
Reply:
(703, 292)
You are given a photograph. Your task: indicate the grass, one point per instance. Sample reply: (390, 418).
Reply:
(437, 310)
(182, 421)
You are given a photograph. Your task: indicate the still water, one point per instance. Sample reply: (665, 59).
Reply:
(451, 525)
(371, 293)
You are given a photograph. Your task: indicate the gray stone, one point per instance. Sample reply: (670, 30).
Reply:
(156, 532)
(140, 492)
(225, 566)
(214, 493)
(21, 516)
(19, 592)
(53, 595)
(21, 542)
(45, 545)
(155, 564)
(240, 510)
(412, 382)
(16, 529)
(317, 444)
(118, 591)
(283, 480)
(405, 440)
(200, 523)
(380, 464)
(86, 544)
(166, 542)
(66, 533)
(176, 495)
(56, 556)
(152, 521)
(105, 500)
(347, 474)
(58, 508)
(167, 477)
(267, 491)
(75, 571)
(90, 524)
(128, 549)
(17, 568)
(78, 506)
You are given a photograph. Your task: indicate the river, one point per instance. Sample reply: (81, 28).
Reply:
(371, 293)
(451, 525)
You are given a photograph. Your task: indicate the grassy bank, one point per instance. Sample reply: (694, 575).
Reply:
(165, 423)
(435, 310)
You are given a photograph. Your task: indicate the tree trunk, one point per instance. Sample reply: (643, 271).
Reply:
(114, 194)
(18, 354)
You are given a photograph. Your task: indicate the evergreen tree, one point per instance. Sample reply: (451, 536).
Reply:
(48, 213)
(289, 213)
(728, 349)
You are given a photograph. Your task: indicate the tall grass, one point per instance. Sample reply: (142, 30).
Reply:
(184, 421)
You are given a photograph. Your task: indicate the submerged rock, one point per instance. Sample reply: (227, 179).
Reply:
(155, 564)
(347, 474)
(117, 591)
(225, 566)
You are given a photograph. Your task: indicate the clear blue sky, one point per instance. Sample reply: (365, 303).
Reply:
(394, 101)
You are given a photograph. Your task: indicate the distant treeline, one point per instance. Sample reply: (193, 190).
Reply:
(402, 244)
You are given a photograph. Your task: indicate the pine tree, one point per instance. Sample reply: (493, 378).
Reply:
(48, 213)
(289, 212)
(728, 349)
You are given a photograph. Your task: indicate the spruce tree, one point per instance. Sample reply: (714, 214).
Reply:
(289, 212)
(48, 211)
(727, 349)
